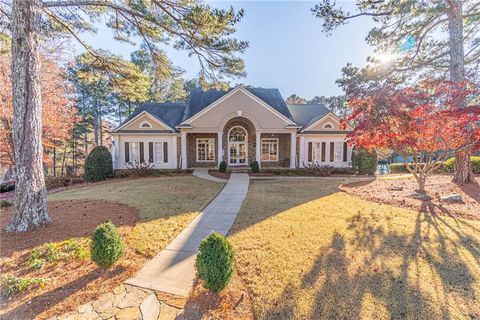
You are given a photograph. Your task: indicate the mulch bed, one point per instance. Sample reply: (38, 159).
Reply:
(233, 302)
(70, 282)
(221, 175)
(437, 186)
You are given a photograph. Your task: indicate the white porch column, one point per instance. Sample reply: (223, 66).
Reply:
(220, 147)
(301, 156)
(174, 156)
(113, 152)
(184, 149)
(293, 149)
(258, 146)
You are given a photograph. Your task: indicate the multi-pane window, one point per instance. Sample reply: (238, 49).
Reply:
(269, 149)
(158, 151)
(134, 152)
(206, 149)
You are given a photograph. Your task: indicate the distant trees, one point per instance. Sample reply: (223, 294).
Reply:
(192, 26)
(422, 123)
(294, 99)
(414, 40)
(58, 115)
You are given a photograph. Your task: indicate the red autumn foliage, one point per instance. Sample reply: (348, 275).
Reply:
(58, 116)
(424, 123)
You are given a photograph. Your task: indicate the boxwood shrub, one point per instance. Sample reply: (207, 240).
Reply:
(255, 167)
(107, 245)
(222, 167)
(363, 161)
(98, 165)
(215, 262)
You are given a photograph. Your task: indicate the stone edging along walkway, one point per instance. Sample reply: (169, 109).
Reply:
(158, 291)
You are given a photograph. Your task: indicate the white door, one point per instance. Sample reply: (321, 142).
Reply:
(237, 146)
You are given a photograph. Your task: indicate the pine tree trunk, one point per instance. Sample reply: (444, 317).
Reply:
(30, 204)
(54, 161)
(463, 170)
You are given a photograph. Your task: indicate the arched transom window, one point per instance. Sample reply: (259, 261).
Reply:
(145, 124)
(237, 134)
(328, 126)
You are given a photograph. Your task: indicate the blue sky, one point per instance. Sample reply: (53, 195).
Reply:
(287, 49)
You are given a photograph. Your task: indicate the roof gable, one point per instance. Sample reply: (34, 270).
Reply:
(202, 101)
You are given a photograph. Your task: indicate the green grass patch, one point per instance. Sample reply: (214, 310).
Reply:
(310, 252)
(165, 205)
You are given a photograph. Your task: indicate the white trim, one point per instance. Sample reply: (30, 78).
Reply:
(141, 114)
(206, 151)
(328, 114)
(261, 149)
(252, 96)
(244, 142)
(329, 124)
(149, 125)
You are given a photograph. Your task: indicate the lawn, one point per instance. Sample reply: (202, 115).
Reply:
(148, 212)
(165, 205)
(307, 251)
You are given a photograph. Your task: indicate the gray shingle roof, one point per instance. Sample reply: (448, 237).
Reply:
(173, 114)
(170, 113)
(199, 100)
(306, 114)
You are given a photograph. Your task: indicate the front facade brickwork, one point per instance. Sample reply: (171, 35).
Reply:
(283, 150)
(192, 150)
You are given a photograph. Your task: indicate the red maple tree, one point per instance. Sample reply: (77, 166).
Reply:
(58, 115)
(423, 124)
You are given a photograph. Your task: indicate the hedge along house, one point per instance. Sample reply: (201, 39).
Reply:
(236, 126)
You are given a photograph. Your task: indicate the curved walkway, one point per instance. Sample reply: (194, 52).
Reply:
(203, 174)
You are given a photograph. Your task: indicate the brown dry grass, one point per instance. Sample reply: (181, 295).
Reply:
(165, 206)
(306, 251)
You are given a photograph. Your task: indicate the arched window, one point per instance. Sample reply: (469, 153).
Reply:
(328, 126)
(237, 134)
(145, 124)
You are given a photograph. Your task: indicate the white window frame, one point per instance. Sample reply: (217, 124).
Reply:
(208, 142)
(149, 125)
(328, 124)
(132, 158)
(155, 160)
(269, 142)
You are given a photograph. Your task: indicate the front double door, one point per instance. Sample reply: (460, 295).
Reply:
(237, 153)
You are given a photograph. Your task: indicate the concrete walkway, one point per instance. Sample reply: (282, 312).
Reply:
(203, 174)
(172, 271)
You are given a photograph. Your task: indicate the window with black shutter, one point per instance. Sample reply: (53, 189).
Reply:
(324, 146)
(165, 152)
(345, 152)
(309, 152)
(150, 152)
(142, 154)
(332, 150)
(127, 152)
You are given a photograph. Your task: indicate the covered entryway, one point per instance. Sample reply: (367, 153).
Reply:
(237, 146)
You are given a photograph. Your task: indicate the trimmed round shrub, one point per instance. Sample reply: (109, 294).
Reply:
(255, 167)
(363, 161)
(222, 167)
(215, 262)
(107, 245)
(98, 165)
(449, 164)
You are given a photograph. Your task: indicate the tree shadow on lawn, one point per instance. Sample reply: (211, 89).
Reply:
(70, 219)
(471, 189)
(266, 198)
(430, 278)
(35, 306)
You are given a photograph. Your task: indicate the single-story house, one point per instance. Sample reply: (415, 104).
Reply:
(236, 126)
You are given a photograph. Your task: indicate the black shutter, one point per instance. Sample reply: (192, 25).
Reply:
(345, 152)
(142, 154)
(332, 150)
(324, 146)
(150, 152)
(309, 152)
(127, 152)
(165, 152)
